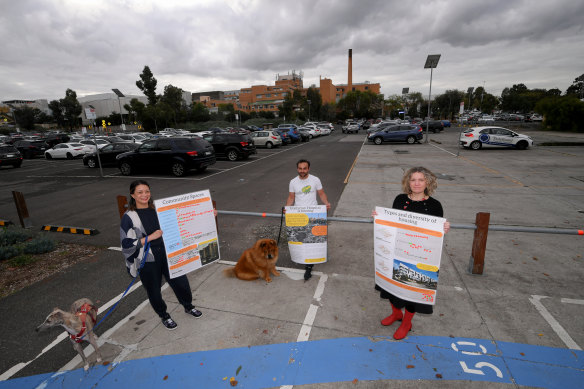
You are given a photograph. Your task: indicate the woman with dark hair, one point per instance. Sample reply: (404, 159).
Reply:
(418, 184)
(138, 223)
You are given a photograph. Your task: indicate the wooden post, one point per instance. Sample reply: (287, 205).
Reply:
(479, 243)
(214, 208)
(122, 205)
(21, 209)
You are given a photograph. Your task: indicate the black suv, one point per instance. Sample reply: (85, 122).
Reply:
(232, 146)
(54, 139)
(9, 155)
(31, 148)
(179, 155)
(433, 125)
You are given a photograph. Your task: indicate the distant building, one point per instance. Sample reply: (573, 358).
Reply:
(41, 104)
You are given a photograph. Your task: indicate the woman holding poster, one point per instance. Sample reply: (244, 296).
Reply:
(139, 222)
(418, 184)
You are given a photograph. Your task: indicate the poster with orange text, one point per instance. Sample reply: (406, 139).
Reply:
(408, 248)
(307, 233)
(189, 231)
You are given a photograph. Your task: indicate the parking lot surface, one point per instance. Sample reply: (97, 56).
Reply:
(517, 325)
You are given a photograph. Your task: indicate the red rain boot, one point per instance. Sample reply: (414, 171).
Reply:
(405, 326)
(396, 314)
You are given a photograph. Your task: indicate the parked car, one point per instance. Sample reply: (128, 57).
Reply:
(409, 133)
(54, 139)
(9, 155)
(5, 139)
(232, 146)
(177, 155)
(304, 134)
(108, 154)
(283, 135)
(66, 150)
(433, 125)
(477, 137)
(351, 127)
(90, 142)
(310, 130)
(446, 123)
(267, 139)
(292, 131)
(486, 119)
(30, 149)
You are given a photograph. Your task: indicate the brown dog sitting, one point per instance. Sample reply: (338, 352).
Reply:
(78, 322)
(258, 261)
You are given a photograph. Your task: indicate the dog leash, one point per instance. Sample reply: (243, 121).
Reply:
(142, 262)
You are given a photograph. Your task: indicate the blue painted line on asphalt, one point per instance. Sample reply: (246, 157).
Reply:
(334, 360)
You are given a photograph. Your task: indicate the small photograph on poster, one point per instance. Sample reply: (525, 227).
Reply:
(411, 274)
(209, 251)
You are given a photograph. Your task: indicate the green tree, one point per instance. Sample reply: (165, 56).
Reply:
(147, 84)
(562, 113)
(315, 106)
(25, 117)
(577, 88)
(287, 107)
(199, 113)
(448, 103)
(361, 104)
(66, 111)
(173, 99)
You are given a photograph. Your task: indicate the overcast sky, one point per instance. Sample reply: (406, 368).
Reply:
(91, 46)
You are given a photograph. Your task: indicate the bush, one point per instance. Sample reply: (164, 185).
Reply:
(562, 113)
(38, 245)
(22, 260)
(7, 252)
(13, 235)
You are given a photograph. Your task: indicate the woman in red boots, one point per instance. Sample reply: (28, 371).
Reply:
(418, 184)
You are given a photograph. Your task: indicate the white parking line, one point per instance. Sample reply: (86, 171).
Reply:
(558, 329)
(572, 301)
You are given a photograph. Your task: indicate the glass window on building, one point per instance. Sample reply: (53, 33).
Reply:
(258, 96)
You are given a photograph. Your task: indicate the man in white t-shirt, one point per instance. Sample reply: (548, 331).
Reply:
(302, 192)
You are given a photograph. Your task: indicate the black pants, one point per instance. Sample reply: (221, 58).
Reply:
(151, 276)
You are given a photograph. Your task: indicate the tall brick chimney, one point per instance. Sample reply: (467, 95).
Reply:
(350, 77)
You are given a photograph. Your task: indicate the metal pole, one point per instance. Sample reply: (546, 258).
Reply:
(429, 98)
(121, 116)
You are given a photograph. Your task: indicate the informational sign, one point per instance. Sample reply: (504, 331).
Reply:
(90, 114)
(189, 231)
(307, 234)
(408, 248)
(461, 110)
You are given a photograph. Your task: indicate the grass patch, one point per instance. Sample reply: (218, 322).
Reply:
(22, 260)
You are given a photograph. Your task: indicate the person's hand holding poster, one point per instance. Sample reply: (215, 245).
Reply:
(408, 248)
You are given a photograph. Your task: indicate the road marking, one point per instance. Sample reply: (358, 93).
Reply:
(517, 182)
(438, 147)
(572, 301)
(558, 329)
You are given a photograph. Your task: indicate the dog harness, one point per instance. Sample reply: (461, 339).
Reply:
(82, 314)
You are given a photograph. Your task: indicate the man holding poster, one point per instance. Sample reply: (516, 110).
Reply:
(408, 247)
(302, 192)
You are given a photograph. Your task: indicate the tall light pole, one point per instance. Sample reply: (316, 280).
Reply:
(308, 101)
(469, 92)
(431, 63)
(405, 91)
(120, 94)
(482, 95)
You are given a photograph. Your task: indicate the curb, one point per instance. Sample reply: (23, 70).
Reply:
(71, 230)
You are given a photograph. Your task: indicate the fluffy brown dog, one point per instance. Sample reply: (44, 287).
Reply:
(258, 261)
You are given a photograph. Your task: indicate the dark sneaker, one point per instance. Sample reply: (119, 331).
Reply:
(169, 324)
(194, 311)
(308, 272)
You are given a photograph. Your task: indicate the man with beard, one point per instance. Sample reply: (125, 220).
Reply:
(302, 192)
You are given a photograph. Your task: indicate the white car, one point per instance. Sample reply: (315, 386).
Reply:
(313, 132)
(266, 138)
(486, 119)
(65, 150)
(91, 143)
(477, 137)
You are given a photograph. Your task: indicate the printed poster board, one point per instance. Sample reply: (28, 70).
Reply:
(408, 249)
(189, 231)
(307, 233)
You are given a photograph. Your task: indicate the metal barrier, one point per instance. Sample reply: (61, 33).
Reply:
(481, 228)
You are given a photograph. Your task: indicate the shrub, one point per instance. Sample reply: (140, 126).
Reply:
(22, 260)
(7, 252)
(38, 245)
(13, 235)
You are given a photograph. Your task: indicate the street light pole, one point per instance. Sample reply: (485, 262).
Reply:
(431, 63)
(120, 94)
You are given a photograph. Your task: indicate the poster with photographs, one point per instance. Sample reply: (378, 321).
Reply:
(189, 231)
(307, 234)
(408, 249)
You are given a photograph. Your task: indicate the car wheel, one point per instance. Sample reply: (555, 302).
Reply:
(178, 169)
(201, 169)
(476, 145)
(69, 156)
(269, 145)
(126, 168)
(232, 155)
(378, 140)
(91, 162)
(48, 156)
(411, 139)
(522, 145)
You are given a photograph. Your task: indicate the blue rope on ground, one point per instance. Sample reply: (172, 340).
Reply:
(146, 249)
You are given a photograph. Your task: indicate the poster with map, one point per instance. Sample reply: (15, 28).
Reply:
(189, 231)
(408, 249)
(307, 233)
